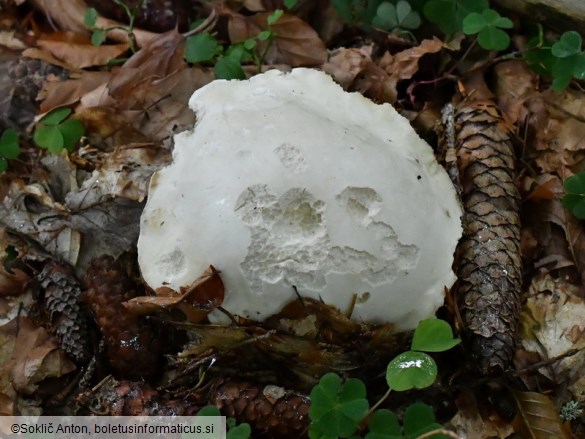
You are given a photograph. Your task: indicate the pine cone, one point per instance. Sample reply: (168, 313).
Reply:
(129, 398)
(132, 345)
(269, 410)
(69, 323)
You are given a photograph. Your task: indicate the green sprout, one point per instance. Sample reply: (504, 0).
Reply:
(57, 131)
(9, 148)
(488, 26)
(99, 35)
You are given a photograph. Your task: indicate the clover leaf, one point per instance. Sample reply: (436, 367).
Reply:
(9, 148)
(383, 424)
(336, 408)
(418, 419)
(448, 15)
(55, 133)
(488, 26)
(401, 16)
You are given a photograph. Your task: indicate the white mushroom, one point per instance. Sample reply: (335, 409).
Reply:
(287, 180)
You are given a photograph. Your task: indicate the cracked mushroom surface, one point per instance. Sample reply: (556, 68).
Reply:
(287, 180)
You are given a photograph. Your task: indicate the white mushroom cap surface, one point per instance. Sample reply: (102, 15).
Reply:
(287, 180)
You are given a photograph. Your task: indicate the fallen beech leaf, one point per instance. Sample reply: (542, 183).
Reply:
(196, 301)
(78, 51)
(346, 64)
(295, 43)
(35, 357)
(68, 92)
(515, 84)
(538, 417)
(43, 55)
(404, 64)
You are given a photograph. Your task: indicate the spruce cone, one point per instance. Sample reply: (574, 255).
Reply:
(132, 345)
(129, 398)
(61, 291)
(268, 409)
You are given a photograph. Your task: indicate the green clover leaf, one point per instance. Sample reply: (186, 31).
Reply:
(411, 370)
(433, 335)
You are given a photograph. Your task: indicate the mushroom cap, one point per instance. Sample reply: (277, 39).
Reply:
(289, 181)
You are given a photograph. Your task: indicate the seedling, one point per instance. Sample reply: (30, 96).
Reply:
(340, 409)
(57, 131)
(488, 26)
(98, 36)
(9, 148)
(574, 198)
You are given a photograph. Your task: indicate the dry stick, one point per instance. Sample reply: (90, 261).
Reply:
(534, 367)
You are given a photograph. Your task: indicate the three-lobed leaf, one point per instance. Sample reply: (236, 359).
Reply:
(54, 133)
(488, 26)
(390, 16)
(448, 15)
(569, 44)
(418, 419)
(433, 335)
(337, 408)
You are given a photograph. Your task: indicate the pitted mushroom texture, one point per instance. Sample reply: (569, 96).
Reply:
(287, 180)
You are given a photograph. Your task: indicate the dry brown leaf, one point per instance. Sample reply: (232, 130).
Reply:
(295, 44)
(69, 92)
(196, 301)
(69, 14)
(156, 60)
(77, 50)
(43, 55)
(35, 357)
(515, 83)
(469, 422)
(538, 417)
(558, 122)
(404, 64)
(344, 65)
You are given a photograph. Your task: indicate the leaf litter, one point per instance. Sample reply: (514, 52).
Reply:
(77, 208)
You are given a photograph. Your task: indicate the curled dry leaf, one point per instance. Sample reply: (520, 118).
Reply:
(295, 42)
(515, 84)
(552, 324)
(344, 65)
(77, 50)
(195, 301)
(538, 417)
(35, 357)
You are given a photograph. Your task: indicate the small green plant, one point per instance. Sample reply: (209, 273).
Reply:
(398, 18)
(562, 60)
(340, 409)
(98, 36)
(57, 131)
(241, 431)
(449, 15)
(488, 26)
(570, 411)
(574, 198)
(393, 16)
(204, 47)
(9, 148)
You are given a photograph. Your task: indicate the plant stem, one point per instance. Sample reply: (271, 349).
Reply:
(380, 401)
(444, 431)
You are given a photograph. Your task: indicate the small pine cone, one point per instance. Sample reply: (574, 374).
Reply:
(60, 291)
(269, 410)
(129, 398)
(132, 345)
